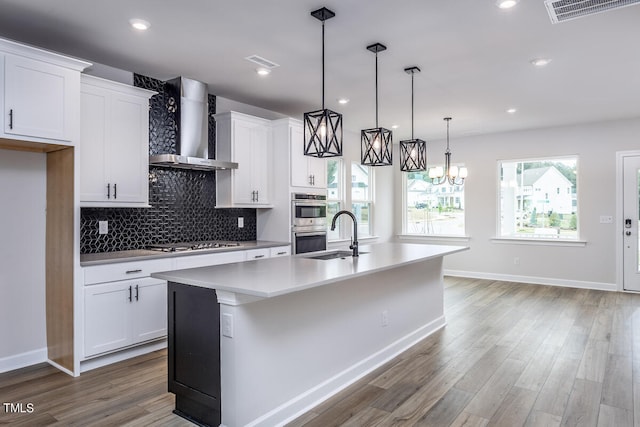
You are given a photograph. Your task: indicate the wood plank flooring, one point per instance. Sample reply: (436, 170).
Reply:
(510, 355)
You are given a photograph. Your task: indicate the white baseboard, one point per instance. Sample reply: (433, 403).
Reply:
(22, 360)
(306, 401)
(533, 280)
(108, 359)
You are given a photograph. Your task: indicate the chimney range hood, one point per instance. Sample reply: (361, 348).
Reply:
(192, 142)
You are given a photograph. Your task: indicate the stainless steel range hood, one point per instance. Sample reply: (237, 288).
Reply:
(192, 142)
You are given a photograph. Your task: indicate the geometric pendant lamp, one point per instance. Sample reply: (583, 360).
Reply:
(323, 128)
(413, 152)
(376, 144)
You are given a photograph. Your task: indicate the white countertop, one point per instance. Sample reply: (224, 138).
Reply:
(272, 277)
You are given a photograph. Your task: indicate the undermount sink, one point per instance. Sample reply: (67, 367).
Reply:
(334, 255)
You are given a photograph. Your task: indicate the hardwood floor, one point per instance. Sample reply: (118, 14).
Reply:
(510, 355)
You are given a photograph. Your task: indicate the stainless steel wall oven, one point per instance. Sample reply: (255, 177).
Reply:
(309, 222)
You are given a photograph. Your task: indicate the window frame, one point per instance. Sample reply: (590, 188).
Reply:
(340, 200)
(369, 200)
(430, 236)
(577, 241)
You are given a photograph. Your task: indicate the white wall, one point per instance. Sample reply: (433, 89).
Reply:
(224, 105)
(22, 258)
(593, 265)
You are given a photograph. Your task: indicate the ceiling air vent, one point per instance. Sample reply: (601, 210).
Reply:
(565, 10)
(265, 62)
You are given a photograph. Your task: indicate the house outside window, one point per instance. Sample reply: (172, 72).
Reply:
(524, 212)
(432, 210)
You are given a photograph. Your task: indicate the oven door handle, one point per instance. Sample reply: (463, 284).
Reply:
(310, 233)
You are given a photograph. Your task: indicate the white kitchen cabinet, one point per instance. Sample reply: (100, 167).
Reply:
(246, 140)
(40, 94)
(192, 261)
(280, 251)
(254, 254)
(124, 313)
(306, 171)
(123, 306)
(114, 139)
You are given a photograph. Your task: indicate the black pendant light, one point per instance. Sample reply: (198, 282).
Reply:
(413, 152)
(323, 128)
(376, 143)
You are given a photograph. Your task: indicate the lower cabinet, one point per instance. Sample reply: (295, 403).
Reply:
(123, 313)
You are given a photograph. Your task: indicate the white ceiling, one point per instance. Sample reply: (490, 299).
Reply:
(474, 56)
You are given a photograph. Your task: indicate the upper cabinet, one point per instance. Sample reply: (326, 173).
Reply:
(246, 140)
(40, 94)
(114, 140)
(306, 171)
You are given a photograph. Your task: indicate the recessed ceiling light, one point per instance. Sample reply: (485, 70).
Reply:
(263, 71)
(506, 4)
(394, 127)
(139, 24)
(343, 101)
(540, 62)
(511, 111)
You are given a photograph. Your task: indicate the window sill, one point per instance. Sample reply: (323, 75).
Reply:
(539, 242)
(433, 238)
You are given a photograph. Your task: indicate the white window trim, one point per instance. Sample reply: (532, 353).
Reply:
(371, 201)
(341, 201)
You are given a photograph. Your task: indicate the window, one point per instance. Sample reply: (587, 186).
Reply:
(436, 210)
(362, 197)
(334, 195)
(525, 213)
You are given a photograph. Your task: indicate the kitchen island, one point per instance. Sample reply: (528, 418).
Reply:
(294, 330)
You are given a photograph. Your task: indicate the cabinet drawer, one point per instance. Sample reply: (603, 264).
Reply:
(257, 254)
(193, 261)
(280, 251)
(124, 270)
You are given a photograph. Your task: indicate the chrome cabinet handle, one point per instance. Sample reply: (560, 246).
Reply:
(11, 118)
(281, 253)
(137, 292)
(108, 191)
(129, 293)
(115, 191)
(258, 256)
(139, 270)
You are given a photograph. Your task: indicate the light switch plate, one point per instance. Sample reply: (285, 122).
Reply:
(227, 325)
(240, 222)
(606, 219)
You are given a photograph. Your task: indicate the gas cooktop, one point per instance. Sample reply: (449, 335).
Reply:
(192, 246)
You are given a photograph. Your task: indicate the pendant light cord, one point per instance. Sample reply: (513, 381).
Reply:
(376, 89)
(412, 105)
(323, 65)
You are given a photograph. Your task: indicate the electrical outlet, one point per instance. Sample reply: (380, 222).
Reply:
(516, 261)
(227, 325)
(103, 227)
(384, 318)
(240, 222)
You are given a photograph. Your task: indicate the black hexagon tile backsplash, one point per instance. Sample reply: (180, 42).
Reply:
(183, 201)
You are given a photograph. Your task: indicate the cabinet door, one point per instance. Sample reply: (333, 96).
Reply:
(38, 98)
(127, 153)
(260, 164)
(243, 137)
(93, 140)
(300, 176)
(107, 317)
(306, 171)
(149, 317)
